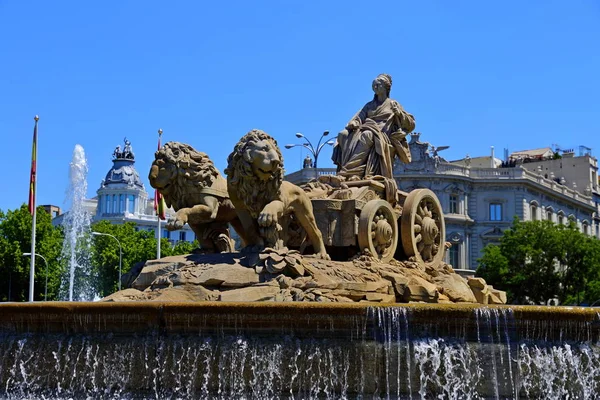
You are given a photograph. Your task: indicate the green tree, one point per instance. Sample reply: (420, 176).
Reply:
(15, 239)
(581, 272)
(539, 260)
(138, 246)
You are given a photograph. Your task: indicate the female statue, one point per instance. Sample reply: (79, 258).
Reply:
(366, 148)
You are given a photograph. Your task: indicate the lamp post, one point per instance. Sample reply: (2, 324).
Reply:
(308, 145)
(120, 251)
(46, 288)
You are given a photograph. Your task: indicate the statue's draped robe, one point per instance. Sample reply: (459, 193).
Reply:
(369, 150)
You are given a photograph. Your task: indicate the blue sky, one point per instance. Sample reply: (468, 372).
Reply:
(511, 74)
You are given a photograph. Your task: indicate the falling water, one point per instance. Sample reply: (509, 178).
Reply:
(389, 354)
(77, 282)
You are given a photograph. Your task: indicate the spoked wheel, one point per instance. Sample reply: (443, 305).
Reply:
(378, 229)
(422, 227)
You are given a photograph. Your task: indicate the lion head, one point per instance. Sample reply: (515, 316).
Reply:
(255, 170)
(177, 167)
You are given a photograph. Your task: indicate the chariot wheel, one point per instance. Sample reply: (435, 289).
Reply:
(422, 227)
(378, 230)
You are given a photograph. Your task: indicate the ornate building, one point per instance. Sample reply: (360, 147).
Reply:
(480, 202)
(121, 193)
(481, 196)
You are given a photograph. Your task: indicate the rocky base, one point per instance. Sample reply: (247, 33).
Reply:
(282, 275)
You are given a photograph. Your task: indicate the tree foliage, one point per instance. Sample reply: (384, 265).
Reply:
(15, 239)
(137, 245)
(539, 260)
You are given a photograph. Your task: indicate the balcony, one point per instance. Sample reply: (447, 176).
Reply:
(307, 174)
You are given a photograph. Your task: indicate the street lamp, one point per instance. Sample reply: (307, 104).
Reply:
(42, 257)
(120, 251)
(308, 145)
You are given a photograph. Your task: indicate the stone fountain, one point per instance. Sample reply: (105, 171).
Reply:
(339, 291)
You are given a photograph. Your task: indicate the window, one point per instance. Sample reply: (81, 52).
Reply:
(453, 204)
(121, 203)
(533, 212)
(561, 218)
(549, 215)
(131, 207)
(166, 234)
(453, 255)
(495, 212)
(107, 204)
(586, 228)
(182, 236)
(114, 206)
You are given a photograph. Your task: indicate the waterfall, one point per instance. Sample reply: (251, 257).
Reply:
(385, 353)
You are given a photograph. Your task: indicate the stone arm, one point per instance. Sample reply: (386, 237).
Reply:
(358, 118)
(406, 121)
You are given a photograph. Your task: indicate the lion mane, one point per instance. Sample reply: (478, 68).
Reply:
(192, 170)
(253, 192)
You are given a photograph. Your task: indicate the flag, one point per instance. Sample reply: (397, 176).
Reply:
(32, 176)
(159, 202)
(159, 205)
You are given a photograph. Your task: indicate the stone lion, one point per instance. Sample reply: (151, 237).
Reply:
(265, 203)
(192, 185)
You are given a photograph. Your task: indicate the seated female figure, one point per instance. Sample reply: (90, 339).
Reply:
(376, 134)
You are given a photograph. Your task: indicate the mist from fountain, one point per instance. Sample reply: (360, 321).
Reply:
(77, 281)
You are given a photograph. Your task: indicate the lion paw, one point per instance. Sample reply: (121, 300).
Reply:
(267, 218)
(175, 224)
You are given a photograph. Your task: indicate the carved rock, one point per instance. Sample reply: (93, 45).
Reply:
(455, 288)
(498, 294)
(225, 277)
(418, 289)
(482, 295)
(477, 283)
(399, 282)
(154, 268)
(186, 293)
(380, 297)
(443, 299)
(261, 292)
(486, 294)
(129, 294)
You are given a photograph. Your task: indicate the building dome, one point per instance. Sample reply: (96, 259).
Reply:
(121, 193)
(123, 173)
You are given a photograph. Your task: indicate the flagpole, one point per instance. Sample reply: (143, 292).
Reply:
(32, 200)
(160, 131)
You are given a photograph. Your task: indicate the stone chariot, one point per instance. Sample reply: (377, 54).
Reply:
(356, 217)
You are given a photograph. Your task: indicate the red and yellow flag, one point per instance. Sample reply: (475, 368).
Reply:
(159, 202)
(32, 176)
